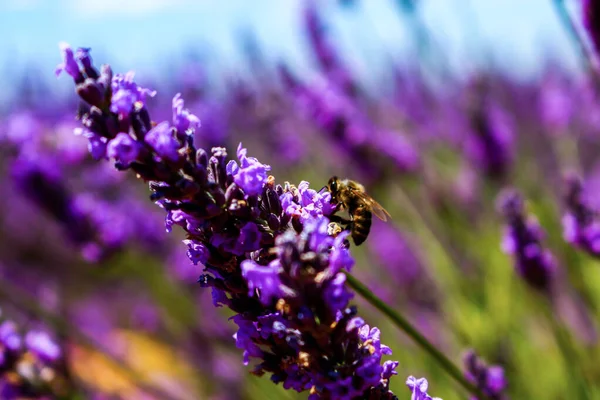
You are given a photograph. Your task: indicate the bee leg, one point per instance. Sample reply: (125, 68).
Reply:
(340, 220)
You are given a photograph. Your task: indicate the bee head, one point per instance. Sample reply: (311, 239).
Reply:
(333, 184)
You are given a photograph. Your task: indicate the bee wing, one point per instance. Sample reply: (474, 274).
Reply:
(374, 206)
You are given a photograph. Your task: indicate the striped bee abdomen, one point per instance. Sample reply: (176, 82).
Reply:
(361, 224)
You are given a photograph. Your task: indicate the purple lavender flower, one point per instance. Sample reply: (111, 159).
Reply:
(250, 175)
(124, 149)
(419, 388)
(125, 93)
(523, 240)
(97, 144)
(69, 64)
(389, 369)
(489, 380)
(279, 271)
(162, 139)
(264, 278)
(297, 277)
(581, 225)
(42, 345)
(182, 118)
(198, 253)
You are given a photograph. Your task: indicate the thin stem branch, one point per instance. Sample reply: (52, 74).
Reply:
(567, 22)
(566, 347)
(414, 334)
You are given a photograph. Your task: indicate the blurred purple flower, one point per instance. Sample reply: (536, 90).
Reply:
(489, 380)
(523, 240)
(491, 144)
(581, 222)
(419, 388)
(42, 345)
(9, 335)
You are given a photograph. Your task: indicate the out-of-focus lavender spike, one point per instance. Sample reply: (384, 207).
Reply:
(581, 223)
(557, 106)
(350, 129)
(53, 172)
(42, 184)
(489, 379)
(404, 267)
(324, 52)
(523, 241)
(490, 145)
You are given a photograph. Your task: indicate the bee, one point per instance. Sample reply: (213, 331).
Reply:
(352, 196)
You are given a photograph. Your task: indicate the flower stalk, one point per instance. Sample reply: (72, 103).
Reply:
(405, 326)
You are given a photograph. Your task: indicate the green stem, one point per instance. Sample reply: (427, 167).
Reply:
(568, 351)
(567, 23)
(414, 334)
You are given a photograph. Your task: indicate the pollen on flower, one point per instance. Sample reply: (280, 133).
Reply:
(304, 359)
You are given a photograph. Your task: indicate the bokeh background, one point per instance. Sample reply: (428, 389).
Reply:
(435, 105)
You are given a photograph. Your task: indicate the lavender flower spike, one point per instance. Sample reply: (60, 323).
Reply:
(581, 223)
(489, 380)
(523, 240)
(269, 252)
(419, 388)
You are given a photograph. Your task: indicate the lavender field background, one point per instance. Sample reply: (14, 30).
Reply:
(477, 127)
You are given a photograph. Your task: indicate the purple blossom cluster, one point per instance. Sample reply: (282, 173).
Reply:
(269, 252)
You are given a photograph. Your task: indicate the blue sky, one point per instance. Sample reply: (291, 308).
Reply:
(144, 34)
